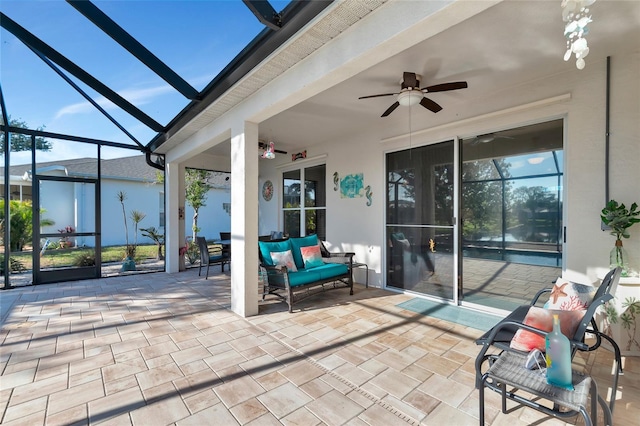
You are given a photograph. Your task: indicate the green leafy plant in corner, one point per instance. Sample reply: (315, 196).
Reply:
(619, 218)
(628, 319)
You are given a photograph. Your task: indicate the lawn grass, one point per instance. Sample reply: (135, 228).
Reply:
(66, 257)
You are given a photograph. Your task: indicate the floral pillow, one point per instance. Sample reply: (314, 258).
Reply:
(542, 319)
(284, 258)
(570, 296)
(311, 256)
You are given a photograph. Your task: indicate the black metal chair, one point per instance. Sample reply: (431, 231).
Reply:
(501, 365)
(206, 258)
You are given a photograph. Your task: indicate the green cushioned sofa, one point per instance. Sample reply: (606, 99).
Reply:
(334, 272)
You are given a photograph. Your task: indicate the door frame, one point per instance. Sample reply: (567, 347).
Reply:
(72, 273)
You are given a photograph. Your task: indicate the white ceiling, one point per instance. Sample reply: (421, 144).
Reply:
(511, 44)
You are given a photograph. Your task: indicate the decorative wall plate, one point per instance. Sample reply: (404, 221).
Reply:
(267, 190)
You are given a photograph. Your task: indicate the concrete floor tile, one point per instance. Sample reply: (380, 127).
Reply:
(18, 411)
(300, 417)
(284, 400)
(163, 410)
(248, 410)
(395, 383)
(157, 376)
(334, 408)
(301, 372)
(200, 401)
(38, 388)
(271, 380)
(116, 404)
(74, 396)
(197, 382)
(238, 390)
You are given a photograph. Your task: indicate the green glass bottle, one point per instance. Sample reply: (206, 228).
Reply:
(558, 354)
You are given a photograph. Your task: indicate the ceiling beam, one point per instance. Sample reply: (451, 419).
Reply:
(265, 13)
(36, 44)
(133, 46)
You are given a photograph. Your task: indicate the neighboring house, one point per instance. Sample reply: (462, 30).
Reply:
(68, 205)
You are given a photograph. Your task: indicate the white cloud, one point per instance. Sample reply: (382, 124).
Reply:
(137, 97)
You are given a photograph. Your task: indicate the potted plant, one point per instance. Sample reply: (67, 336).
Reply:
(619, 219)
(129, 263)
(65, 240)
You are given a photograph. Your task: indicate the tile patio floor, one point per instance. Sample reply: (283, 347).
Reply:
(164, 349)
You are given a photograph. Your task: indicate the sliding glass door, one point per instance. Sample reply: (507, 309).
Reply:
(420, 220)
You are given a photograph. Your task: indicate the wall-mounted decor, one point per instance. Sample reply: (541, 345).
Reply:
(299, 155)
(352, 186)
(267, 190)
(369, 195)
(336, 181)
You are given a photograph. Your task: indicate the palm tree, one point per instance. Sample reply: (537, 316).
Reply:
(156, 236)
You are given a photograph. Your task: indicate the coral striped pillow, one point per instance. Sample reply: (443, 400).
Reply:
(311, 256)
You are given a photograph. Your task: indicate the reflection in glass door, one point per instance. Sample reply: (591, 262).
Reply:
(420, 220)
(65, 236)
(511, 214)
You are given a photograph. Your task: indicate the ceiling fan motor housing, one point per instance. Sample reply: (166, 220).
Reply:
(410, 97)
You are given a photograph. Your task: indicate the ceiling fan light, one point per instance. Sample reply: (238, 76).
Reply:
(410, 97)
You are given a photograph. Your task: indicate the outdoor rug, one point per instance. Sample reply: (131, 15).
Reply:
(464, 316)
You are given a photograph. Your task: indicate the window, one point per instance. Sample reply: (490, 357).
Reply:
(312, 208)
(161, 210)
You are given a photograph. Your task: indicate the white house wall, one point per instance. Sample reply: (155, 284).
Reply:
(578, 96)
(140, 196)
(213, 218)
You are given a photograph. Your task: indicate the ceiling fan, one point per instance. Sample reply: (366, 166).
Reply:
(269, 149)
(411, 93)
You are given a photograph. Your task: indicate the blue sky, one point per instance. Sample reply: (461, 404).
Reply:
(197, 39)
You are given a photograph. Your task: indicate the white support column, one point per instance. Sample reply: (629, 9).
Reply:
(174, 230)
(244, 219)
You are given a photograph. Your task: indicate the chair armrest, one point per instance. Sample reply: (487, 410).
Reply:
(518, 325)
(538, 294)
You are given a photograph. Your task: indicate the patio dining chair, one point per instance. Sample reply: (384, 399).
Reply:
(497, 347)
(207, 259)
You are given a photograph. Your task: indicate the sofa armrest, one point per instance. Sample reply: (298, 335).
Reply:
(340, 257)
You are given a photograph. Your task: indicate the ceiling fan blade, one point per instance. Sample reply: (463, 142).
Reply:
(430, 105)
(455, 85)
(377, 96)
(389, 110)
(409, 79)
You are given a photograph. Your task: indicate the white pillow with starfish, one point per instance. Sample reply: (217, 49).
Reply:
(569, 296)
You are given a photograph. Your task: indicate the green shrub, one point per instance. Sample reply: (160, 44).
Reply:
(15, 265)
(193, 254)
(85, 259)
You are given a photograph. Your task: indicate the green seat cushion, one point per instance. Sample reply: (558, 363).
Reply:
(326, 271)
(304, 276)
(266, 247)
(296, 243)
(329, 270)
